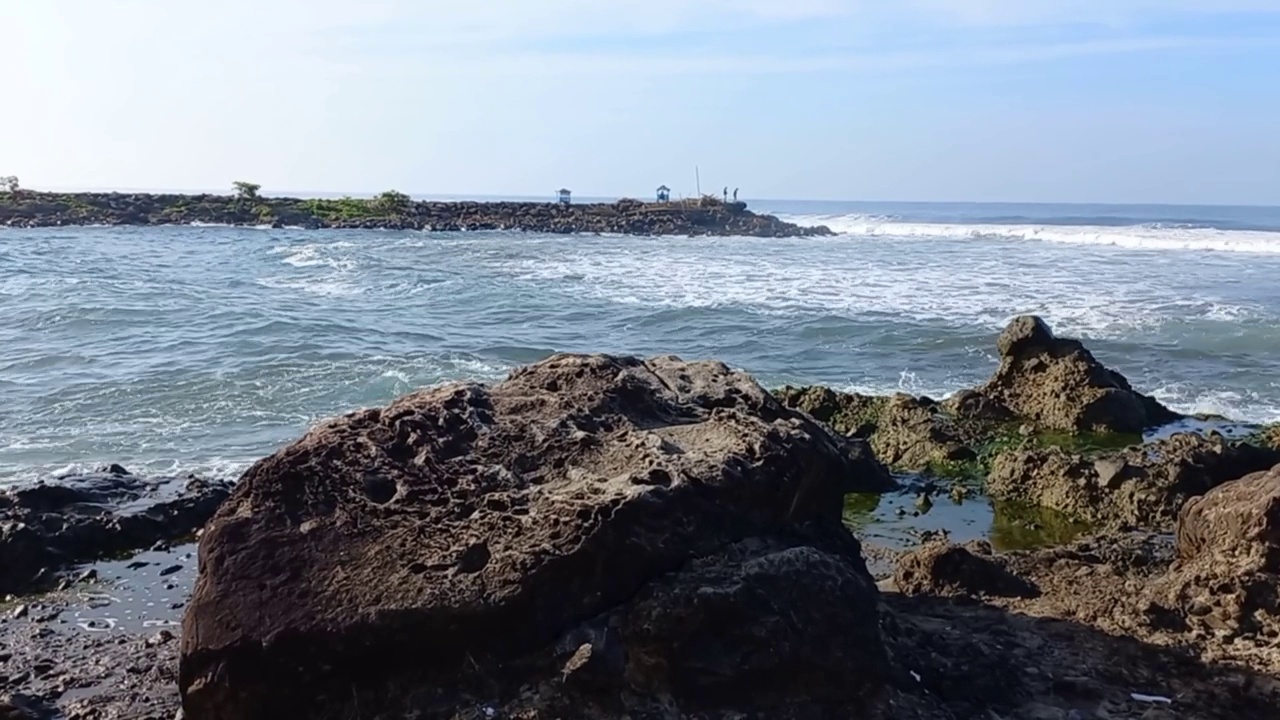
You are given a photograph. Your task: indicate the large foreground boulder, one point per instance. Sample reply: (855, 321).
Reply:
(1057, 384)
(1140, 487)
(48, 526)
(662, 533)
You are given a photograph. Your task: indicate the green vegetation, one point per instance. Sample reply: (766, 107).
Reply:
(9, 184)
(1009, 437)
(393, 202)
(388, 204)
(265, 214)
(860, 509)
(246, 190)
(345, 208)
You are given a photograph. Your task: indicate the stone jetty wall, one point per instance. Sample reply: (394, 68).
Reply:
(393, 211)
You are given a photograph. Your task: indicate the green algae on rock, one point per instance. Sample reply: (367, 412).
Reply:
(1142, 486)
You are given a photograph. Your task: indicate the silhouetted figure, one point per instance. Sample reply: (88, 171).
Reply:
(735, 194)
(726, 193)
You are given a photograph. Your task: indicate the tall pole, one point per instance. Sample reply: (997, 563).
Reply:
(697, 178)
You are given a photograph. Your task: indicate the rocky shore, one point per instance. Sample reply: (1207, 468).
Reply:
(394, 211)
(610, 537)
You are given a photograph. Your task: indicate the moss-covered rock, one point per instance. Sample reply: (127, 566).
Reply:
(1142, 486)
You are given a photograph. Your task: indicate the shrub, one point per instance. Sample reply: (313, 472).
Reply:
(246, 190)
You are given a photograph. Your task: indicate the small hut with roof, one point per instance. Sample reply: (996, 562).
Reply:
(664, 193)
(563, 193)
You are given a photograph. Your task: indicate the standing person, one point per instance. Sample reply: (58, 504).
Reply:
(726, 193)
(735, 194)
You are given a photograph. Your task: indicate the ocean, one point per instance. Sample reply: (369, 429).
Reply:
(176, 350)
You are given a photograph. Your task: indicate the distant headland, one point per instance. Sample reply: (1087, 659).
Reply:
(393, 210)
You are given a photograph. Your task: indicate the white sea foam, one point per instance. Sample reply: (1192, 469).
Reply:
(319, 255)
(843, 278)
(1234, 405)
(1142, 237)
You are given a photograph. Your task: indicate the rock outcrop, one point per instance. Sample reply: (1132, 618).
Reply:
(46, 527)
(1057, 384)
(632, 217)
(1140, 487)
(1227, 577)
(642, 536)
(905, 432)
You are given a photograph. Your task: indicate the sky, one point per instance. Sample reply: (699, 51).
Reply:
(1148, 101)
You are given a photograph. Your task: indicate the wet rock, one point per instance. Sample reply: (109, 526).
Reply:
(905, 432)
(1059, 385)
(1140, 487)
(24, 707)
(76, 519)
(945, 569)
(472, 525)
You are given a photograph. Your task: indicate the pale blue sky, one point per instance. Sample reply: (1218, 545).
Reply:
(1021, 100)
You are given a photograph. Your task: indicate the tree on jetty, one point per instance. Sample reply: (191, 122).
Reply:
(246, 190)
(392, 202)
(9, 183)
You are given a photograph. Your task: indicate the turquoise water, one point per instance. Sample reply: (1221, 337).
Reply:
(199, 349)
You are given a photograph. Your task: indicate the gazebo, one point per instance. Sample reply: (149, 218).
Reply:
(664, 193)
(564, 196)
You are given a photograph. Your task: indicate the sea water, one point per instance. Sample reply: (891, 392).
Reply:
(201, 349)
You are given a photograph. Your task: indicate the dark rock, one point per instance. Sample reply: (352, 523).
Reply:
(1140, 487)
(170, 570)
(24, 707)
(1025, 335)
(762, 621)
(469, 527)
(83, 518)
(945, 569)
(160, 638)
(1058, 384)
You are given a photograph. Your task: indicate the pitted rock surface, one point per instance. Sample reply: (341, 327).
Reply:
(1227, 576)
(477, 524)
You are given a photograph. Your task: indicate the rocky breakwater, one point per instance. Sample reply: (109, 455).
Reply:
(394, 211)
(594, 537)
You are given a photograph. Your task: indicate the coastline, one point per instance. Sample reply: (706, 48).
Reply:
(395, 211)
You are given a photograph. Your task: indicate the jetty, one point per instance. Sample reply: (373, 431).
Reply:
(705, 216)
